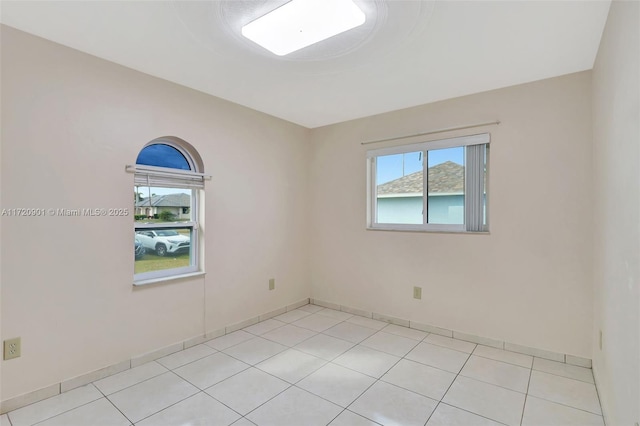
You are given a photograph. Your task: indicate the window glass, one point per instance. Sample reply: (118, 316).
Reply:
(158, 205)
(162, 248)
(161, 155)
(446, 186)
(399, 188)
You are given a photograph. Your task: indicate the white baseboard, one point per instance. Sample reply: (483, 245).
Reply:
(74, 382)
(482, 340)
(83, 379)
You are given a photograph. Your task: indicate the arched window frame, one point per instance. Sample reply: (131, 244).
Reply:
(153, 176)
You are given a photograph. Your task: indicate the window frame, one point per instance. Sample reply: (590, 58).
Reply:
(182, 179)
(425, 147)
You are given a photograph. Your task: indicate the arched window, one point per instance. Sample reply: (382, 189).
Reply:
(168, 180)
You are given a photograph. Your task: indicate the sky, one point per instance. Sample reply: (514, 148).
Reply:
(392, 167)
(160, 191)
(161, 155)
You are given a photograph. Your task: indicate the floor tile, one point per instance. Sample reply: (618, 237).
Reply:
(4, 420)
(562, 390)
(350, 332)
(289, 335)
(255, 350)
(497, 373)
(505, 356)
(210, 370)
(496, 403)
(368, 361)
(562, 369)
(391, 405)
(311, 308)
(339, 315)
(292, 316)
(317, 322)
(541, 412)
(186, 356)
(439, 357)
(127, 378)
(291, 365)
(347, 418)
(97, 413)
(410, 333)
(53, 406)
(451, 343)
(264, 327)
(149, 397)
(337, 384)
(446, 415)
(423, 379)
(295, 407)
(198, 410)
(229, 340)
(325, 347)
(390, 343)
(247, 390)
(367, 322)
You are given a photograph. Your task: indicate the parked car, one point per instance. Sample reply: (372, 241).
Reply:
(139, 249)
(164, 241)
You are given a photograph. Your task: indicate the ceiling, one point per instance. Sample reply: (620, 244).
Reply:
(407, 53)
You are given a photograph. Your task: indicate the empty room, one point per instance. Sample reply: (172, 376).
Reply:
(320, 212)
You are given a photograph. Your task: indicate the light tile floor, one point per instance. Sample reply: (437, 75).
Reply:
(316, 366)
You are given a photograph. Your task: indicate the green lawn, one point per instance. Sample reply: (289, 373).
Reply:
(151, 262)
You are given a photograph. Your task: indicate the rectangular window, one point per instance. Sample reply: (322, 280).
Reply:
(429, 186)
(165, 231)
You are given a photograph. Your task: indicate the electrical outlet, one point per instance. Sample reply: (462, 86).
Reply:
(417, 292)
(12, 348)
(600, 340)
(272, 284)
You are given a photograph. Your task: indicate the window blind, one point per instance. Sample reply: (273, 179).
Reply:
(474, 188)
(171, 179)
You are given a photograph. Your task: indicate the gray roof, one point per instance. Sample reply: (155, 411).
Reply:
(444, 178)
(169, 200)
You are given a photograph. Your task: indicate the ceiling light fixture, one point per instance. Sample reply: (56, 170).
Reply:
(301, 23)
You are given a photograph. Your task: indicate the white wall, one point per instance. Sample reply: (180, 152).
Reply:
(616, 164)
(74, 121)
(70, 124)
(530, 281)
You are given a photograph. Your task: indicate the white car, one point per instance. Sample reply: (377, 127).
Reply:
(164, 241)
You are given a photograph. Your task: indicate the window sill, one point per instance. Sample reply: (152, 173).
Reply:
(138, 283)
(429, 231)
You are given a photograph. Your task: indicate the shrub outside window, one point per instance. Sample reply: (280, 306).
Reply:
(452, 172)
